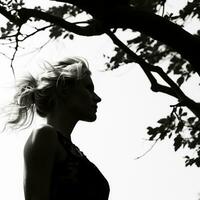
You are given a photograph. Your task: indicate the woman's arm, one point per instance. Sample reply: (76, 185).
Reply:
(39, 156)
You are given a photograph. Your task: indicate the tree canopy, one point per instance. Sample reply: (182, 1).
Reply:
(157, 35)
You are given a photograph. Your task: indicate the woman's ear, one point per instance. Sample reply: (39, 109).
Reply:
(63, 92)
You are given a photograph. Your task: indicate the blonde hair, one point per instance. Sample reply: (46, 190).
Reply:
(38, 94)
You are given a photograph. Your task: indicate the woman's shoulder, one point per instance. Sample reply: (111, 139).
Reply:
(44, 133)
(43, 130)
(41, 139)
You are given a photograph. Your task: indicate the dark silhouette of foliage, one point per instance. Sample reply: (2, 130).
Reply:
(157, 36)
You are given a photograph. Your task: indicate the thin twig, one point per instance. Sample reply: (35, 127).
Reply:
(146, 152)
(5, 55)
(16, 48)
(174, 90)
(7, 36)
(35, 32)
(37, 49)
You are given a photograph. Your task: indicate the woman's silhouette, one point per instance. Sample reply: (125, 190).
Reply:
(55, 169)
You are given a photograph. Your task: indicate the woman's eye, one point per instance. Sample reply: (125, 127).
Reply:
(91, 89)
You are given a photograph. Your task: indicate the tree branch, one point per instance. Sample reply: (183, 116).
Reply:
(24, 14)
(9, 16)
(173, 90)
(35, 32)
(158, 28)
(146, 152)
(16, 49)
(123, 17)
(145, 66)
(90, 30)
(168, 80)
(127, 17)
(5, 55)
(120, 14)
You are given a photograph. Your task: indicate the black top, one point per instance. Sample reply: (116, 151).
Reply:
(76, 178)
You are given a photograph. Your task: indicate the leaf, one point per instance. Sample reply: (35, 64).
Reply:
(189, 162)
(180, 80)
(192, 144)
(3, 29)
(152, 132)
(66, 35)
(180, 126)
(163, 134)
(178, 142)
(197, 162)
(149, 128)
(180, 111)
(162, 121)
(191, 119)
(189, 67)
(184, 114)
(71, 36)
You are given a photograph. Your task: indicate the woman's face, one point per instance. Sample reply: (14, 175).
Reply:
(82, 103)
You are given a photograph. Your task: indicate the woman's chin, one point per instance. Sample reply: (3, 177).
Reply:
(90, 118)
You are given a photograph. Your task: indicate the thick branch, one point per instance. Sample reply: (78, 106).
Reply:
(90, 30)
(168, 80)
(125, 17)
(118, 14)
(145, 66)
(160, 29)
(173, 90)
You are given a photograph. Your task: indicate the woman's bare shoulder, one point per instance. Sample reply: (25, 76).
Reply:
(42, 139)
(44, 131)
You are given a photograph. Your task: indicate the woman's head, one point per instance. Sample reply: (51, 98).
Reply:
(58, 85)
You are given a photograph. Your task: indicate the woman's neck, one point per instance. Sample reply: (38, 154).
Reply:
(62, 124)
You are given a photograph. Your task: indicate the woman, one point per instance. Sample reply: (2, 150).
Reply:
(55, 169)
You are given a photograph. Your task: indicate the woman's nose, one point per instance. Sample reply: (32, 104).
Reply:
(97, 98)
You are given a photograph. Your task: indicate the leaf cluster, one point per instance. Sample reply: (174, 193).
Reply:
(183, 130)
(177, 126)
(12, 4)
(191, 9)
(65, 11)
(154, 52)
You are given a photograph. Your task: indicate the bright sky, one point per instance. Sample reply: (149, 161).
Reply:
(118, 135)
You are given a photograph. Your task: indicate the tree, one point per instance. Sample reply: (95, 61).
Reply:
(157, 36)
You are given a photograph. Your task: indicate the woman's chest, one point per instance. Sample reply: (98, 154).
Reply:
(76, 175)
